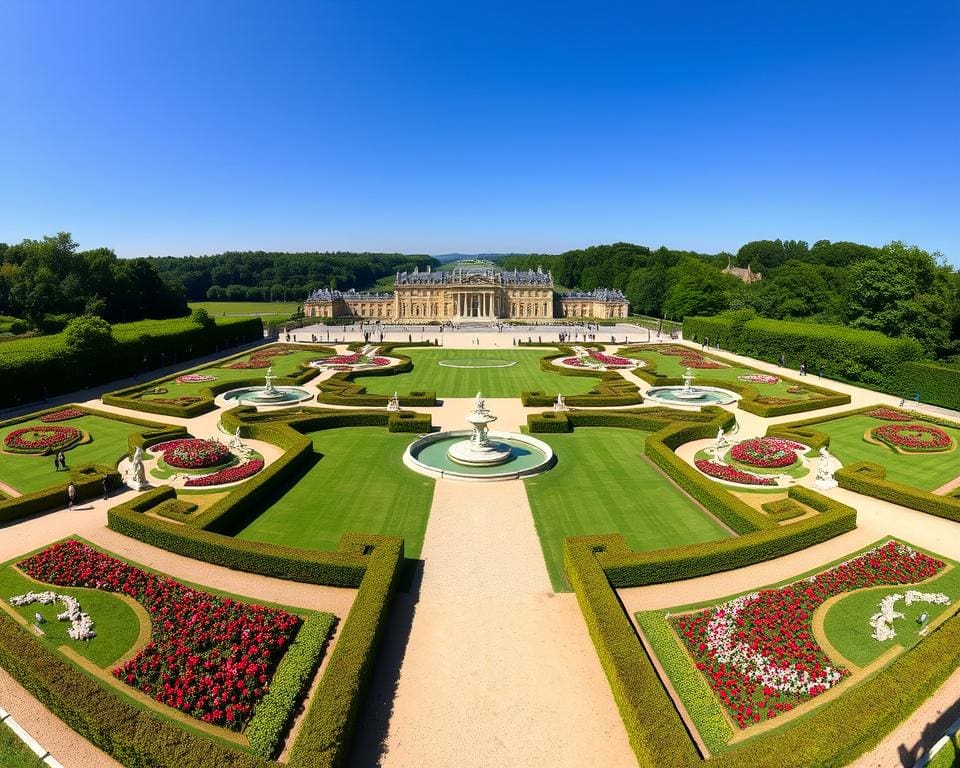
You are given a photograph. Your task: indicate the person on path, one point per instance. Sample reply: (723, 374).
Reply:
(71, 495)
(106, 486)
(820, 372)
(803, 369)
(783, 360)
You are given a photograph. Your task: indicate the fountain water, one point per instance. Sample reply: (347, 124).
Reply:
(691, 395)
(268, 394)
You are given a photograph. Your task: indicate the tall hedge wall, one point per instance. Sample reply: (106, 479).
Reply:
(35, 367)
(861, 357)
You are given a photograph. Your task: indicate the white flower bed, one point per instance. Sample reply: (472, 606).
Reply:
(882, 620)
(81, 625)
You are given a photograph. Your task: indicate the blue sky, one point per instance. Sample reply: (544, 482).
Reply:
(177, 128)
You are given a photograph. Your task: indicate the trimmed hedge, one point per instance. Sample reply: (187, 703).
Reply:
(871, 480)
(88, 479)
(340, 388)
(626, 568)
(893, 365)
(782, 510)
(646, 419)
(612, 391)
(129, 396)
(274, 713)
(26, 363)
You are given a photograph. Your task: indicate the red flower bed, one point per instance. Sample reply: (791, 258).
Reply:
(758, 652)
(208, 656)
(731, 474)
(353, 359)
(228, 475)
(675, 351)
(913, 437)
(261, 358)
(888, 414)
(64, 415)
(42, 439)
(192, 453)
(699, 361)
(766, 452)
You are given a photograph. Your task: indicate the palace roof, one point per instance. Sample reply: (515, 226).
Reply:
(467, 275)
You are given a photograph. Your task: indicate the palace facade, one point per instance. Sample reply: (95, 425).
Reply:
(466, 294)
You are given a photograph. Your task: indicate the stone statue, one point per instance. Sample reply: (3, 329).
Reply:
(394, 403)
(269, 370)
(479, 404)
(136, 475)
(825, 470)
(722, 441)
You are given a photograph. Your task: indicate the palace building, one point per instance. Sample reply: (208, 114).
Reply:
(466, 294)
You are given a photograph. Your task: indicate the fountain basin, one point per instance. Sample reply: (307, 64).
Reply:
(277, 396)
(696, 396)
(524, 456)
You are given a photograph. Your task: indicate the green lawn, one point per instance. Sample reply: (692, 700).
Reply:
(358, 485)
(29, 473)
(283, 365)
(14, 753)
(269, 310)
(669, 365)
(926, 471)
(115, 622)
(602, 484)
(428, 374)
(847, 623)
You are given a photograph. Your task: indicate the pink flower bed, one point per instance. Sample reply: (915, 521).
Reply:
(913, 437)
(354, 359)
(767, 452)
(228, 475)
(41, 439)
(610, 361)
(192, 453)
(209, 656)
(64, 415)
(888, 414)
(760, 378)
(195, 378)
(758, 652)
(731, 474)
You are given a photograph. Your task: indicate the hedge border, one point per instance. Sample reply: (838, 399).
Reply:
(123, 398)
(341, 389)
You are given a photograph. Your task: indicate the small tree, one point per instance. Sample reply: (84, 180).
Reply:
(201, 317)
(88, 333)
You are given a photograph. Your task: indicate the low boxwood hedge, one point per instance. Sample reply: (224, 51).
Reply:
(782, 510)
(288, 686)
(871, 480)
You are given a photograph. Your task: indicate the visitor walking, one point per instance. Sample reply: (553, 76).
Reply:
(71, 494)
(106, 487)
(803, 369)
(820, 372)
(56, 462)
(61, 461)
(783, 360)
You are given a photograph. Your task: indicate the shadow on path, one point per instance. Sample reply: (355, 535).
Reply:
(370, 738)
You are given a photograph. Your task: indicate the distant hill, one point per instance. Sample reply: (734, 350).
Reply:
(446, 258)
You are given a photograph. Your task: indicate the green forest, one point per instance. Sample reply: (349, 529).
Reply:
(43, 283)
(898, 289)
(274, 276)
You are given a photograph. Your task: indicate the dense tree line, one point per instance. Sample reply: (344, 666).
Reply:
(47, 281)
(898, 289)
(271, 276)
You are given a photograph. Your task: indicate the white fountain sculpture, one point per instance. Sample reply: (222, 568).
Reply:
(479, 450)
(269, 391)
(560, 405)
(688, 392)
(393, 405)
(825, 471)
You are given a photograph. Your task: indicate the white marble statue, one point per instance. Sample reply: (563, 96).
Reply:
(560, 405)
(136, 474)
(479, 404)
(825, 471)
(394, 403)
(721, 441)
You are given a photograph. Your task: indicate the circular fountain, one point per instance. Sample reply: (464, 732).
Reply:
(690, 395)
(267, 395)
(478, 453)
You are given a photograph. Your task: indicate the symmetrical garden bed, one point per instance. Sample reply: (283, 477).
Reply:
(761, 655)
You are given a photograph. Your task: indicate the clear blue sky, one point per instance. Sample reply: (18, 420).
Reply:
(194, 127)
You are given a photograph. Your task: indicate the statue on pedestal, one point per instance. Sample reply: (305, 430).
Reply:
(393, 405)
(136, 474)
(825, 470)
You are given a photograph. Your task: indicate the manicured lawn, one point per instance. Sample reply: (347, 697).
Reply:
(14, 753)
(267, 309)
(283, 365)
(28, 473)
(359, 484)
(669, 365)
(926, 471)
(602, 484)
(115, 623)
(847, 623)
(428, 374)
